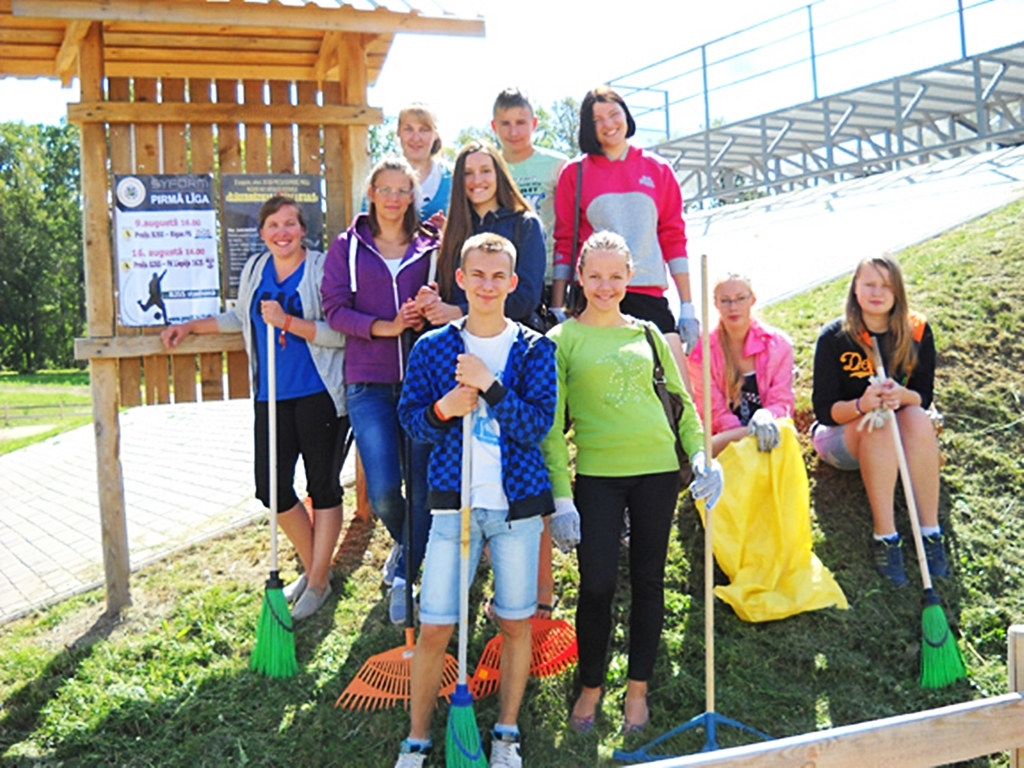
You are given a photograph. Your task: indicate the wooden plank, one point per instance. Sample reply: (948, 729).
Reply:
(282, 151)
(103, 378)
(211, 376)
(355, 140)
(140, 346)
(27, 67)
(260, 58)
(238, 375)
(345, 19)
(1015, 678)
(191, 41)
(31, 37)
(33, 52)
(309, 135)
(129, 371)
(147, 154)
(206, 114)
(119, 89)
(157, 380)
(327, 57)
(255, 131)
(917, 740)
(149, 28)
(183, 371)
(337, 213)
(200, 134)
(229, 153)
(68, 53)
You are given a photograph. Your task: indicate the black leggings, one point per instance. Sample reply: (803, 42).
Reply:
(651, 500)
(309, 426)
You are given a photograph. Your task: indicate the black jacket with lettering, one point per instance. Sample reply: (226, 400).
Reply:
(841, 369)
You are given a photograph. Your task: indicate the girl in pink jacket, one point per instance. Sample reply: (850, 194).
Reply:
(751, 370)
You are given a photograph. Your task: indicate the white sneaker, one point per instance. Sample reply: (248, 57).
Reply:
(505, 750)
(390, 569)
(294, 590)
(412, 755)
(310, 602)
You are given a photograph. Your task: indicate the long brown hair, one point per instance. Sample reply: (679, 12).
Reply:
(410, 222)
(731, 373)
(459, 226)
(904, 355)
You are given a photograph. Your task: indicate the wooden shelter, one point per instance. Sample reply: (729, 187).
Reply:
(199, 86)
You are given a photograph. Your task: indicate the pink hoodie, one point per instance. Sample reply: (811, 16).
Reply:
(773, 365)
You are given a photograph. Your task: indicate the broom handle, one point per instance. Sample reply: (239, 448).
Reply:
(709, 559)
(467, 467)
(272, 440)
(908, 488)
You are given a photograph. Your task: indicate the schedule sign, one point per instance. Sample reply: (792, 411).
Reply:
(165, 230)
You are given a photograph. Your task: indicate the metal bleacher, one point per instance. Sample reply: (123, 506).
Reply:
(945, 109)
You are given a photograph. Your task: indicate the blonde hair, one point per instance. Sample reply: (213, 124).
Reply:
(423, 113)
(731, 373)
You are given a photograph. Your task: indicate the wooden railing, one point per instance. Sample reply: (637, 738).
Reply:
(921, 739)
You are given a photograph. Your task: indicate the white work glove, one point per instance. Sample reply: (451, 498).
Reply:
(559, 313)
(707, 480)
(688, 326)
(565, 524)
(762, 424)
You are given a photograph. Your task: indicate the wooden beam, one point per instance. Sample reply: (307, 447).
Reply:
(1015, 677)
(31, 37)
(188, 70)
(68, 53)
(229, 112)
(99, 292)
(215, 56)
(192, 41)
(327, 59)
(113, 347)
(200, 12)
(920, 739)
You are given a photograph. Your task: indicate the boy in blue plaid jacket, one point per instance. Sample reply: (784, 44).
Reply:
(502, 376)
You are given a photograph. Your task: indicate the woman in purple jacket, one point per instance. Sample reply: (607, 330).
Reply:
(371, 277)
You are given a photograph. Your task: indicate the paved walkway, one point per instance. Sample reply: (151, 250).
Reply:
(188, 468)
(187, 477)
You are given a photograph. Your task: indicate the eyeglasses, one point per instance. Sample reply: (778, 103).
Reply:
(734, 301)
(389, 192)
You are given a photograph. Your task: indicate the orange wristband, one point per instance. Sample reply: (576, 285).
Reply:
(287, 322)
(437, 411)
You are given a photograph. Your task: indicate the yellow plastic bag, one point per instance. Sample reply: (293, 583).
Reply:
(762, 533)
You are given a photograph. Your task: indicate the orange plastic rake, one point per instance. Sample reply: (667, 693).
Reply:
(553, 650)
(384, 680)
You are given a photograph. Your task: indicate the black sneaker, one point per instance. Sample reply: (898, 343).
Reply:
(888, 556)
(935, 554)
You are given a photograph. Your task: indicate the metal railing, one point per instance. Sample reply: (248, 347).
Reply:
(803, 54)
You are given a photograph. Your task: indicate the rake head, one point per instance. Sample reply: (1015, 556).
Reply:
(385, 679)
(554, 649)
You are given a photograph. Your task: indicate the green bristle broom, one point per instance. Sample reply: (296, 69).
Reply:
(462, 737)
(274, 652)
(941, 662)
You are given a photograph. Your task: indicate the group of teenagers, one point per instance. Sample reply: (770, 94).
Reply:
(448, 300)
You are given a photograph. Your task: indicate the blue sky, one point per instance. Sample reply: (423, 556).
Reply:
(555, 49)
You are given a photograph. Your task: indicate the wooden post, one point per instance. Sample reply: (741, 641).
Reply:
(99, 281)
(1015, 676)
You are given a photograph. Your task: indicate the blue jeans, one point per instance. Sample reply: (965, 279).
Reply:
(515, 550)
(372, 411)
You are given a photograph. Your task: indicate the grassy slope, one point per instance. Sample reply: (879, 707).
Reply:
(169, 683)
(21, 396)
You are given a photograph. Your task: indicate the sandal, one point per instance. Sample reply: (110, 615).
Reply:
(585, 723)
(546, 610)
(628, 728)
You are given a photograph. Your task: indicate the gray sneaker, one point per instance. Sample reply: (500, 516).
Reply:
(390, 569)
(505, 750)
(310, 602)
(294, 590)
(396, 602)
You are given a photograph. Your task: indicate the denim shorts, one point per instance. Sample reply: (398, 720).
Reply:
(515, 549)
(831, 446)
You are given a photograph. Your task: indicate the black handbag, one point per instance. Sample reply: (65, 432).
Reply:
(672, 403)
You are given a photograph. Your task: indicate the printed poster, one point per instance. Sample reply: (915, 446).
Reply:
(242, 195)
(166, 248)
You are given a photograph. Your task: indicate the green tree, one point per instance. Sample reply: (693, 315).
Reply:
(559, 128)
(42, 299)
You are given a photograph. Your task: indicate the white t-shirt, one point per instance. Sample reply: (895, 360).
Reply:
(486, 490)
